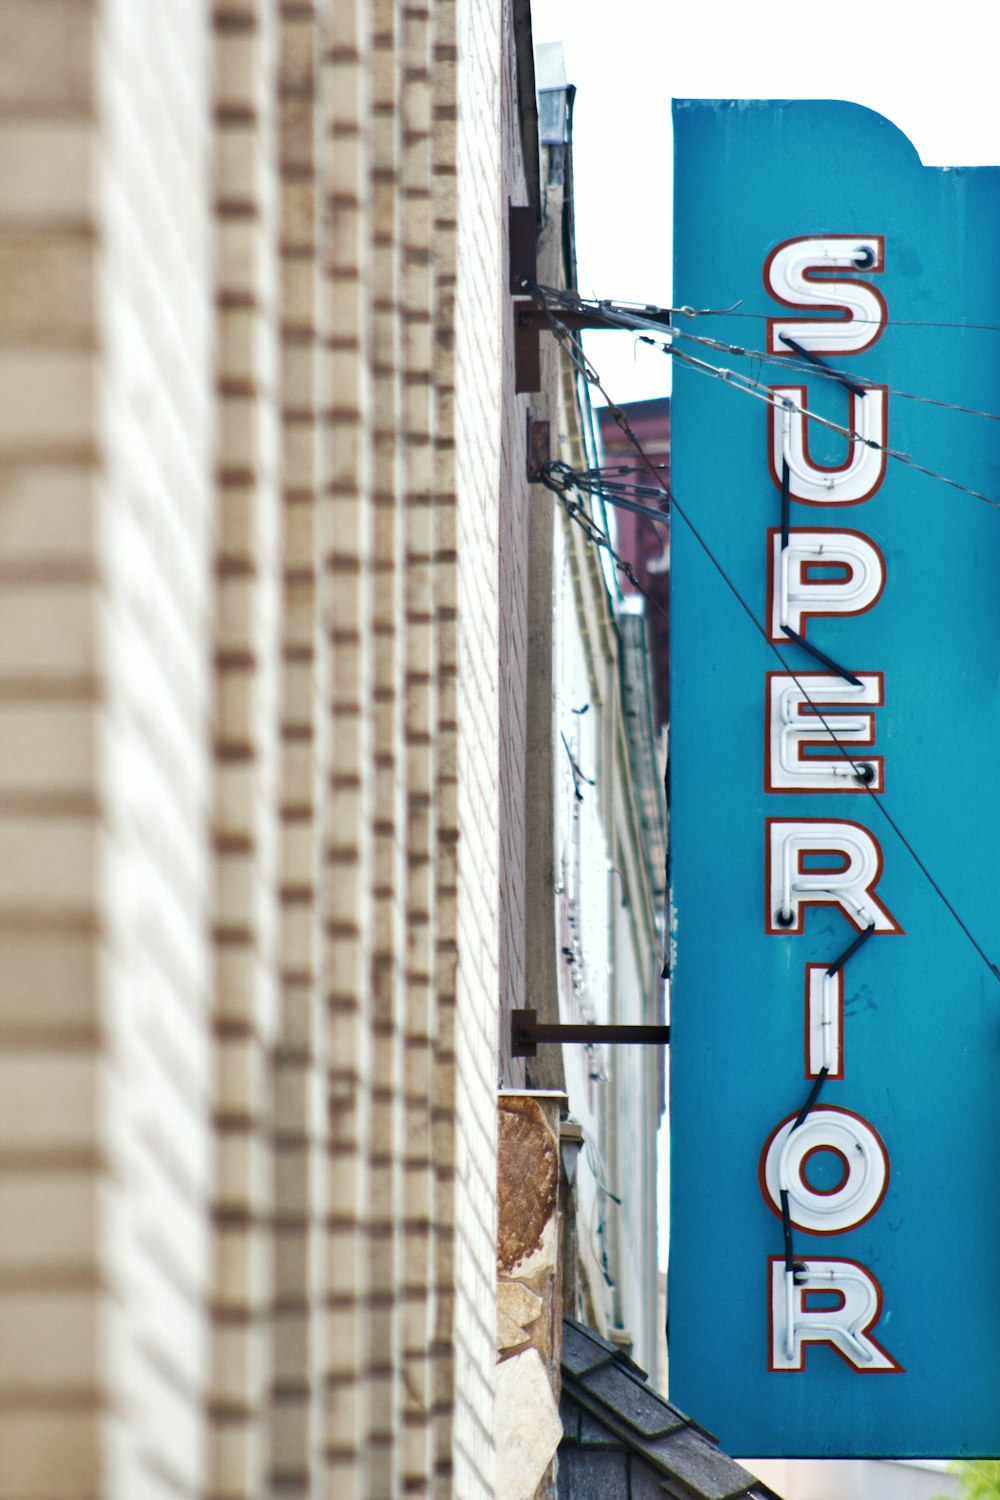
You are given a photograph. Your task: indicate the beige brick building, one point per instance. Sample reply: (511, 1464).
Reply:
(271, 875)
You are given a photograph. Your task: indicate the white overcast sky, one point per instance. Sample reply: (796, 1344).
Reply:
(932, 70)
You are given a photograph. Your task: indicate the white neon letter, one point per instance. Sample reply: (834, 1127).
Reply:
(852, 1301)
(814, 710)
(857, 1154)
(821, 572)
(797, 273)
(847, 483)
(824, 1021)
(824, 862)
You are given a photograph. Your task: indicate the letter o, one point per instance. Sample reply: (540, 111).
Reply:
(865, 1178)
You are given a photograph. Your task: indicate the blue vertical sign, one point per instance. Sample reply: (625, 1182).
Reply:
(835, 775)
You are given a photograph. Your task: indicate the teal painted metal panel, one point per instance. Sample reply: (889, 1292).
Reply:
(919, 1038)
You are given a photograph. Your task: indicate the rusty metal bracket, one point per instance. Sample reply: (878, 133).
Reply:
(532, 317)
(539, 448)
(527, 1034)
(522, 241)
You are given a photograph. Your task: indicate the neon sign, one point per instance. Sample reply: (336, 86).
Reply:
(835, 812)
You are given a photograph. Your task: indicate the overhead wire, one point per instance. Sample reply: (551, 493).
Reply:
(732, 312)
(876, 797)
(749, 387)
(593, 532)
(797, 364)
(617, 316)
(571, 299)
(586, 368)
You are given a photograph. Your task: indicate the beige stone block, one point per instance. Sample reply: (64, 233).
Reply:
(299, 523)
(240, 434)
(348, 513)
(236, 705)
(239, 518)
(348, 1182)
(518, 1309)
(238, 1371)
(243, 1172)
(236, 892)
(300, 613)
(242, 255)
(346, 1250)
(51, 1454)
(239, 329)
(347, 181)
(343, 1477)
(528, 1428)
(298, 199)
(237, 1457)
(46, 285)
(236, 981)
(301, 457)
(242, 1260)
(347, 303)
(48, 514)
(48, 864)
(298, 150)
(49, 1100)
(347, 1336)
(292, 1256)
(299, 377)
(299, 937)
(48, 748)
(238, 795)
(299, 773)
(48, 1221)
(49, 1339)
(291, 1419)
(299, 291)
(299, 854)
(418, 1455)
(296, 1178)
(301, 695)
(241, 1075)
(301, 1015)
(46, 54)
(291, 1342)
(239, 71)
(294, 1104)
(48, 978)
(46, 171)
(240, 165)
(298, 52)
(47, 399)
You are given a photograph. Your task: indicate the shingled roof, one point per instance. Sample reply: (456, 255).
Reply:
(623, 1439)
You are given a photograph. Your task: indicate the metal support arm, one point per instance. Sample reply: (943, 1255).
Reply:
(528, 1033)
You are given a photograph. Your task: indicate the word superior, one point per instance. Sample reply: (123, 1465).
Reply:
(824, 1170)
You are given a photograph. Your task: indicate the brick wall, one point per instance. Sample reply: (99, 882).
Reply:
(261, 677)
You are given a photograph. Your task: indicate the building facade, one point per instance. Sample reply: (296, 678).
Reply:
(291, 648)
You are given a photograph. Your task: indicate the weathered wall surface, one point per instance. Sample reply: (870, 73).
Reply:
(262, 596)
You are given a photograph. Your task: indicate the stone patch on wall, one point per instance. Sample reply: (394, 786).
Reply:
(529, 1300)
(529, 1428)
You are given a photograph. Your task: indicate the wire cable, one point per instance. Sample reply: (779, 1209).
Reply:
(876, 797)
(749, 387)
(660, 319)
(732, 312)
(752, 386)
(812, 366)
(593, 532)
